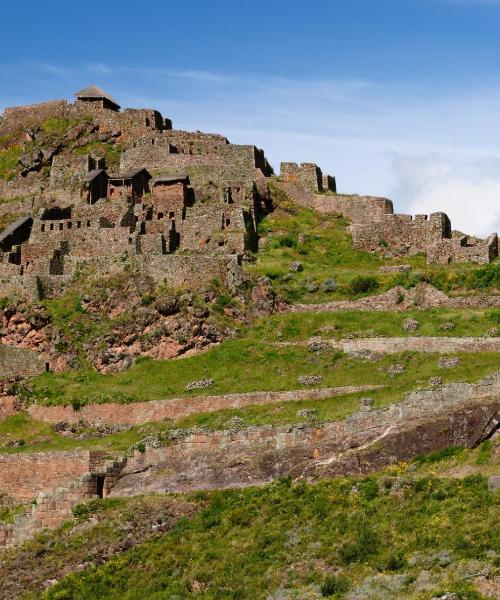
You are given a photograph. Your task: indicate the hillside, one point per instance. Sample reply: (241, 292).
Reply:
(199, 354)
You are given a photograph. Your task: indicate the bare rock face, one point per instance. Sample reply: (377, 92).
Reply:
(263, 296)
(455, 414)
(494, 483)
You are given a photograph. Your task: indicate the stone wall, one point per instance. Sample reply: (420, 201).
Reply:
(23, 476)
(307, 175)
(52, 508)
(19, 362)
(195, 142)
(357, 209)
(441, 344)
(130, 122)
(8, 407)
(401, 234)
(398, 299)
(68, 170)
(462, 249)
(49, 511)
(138, 413)
(235, 166)
(19, 286)
(424, 421)
(21, 117)
(213, 228)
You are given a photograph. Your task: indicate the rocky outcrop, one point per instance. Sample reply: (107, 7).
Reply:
(455, 415)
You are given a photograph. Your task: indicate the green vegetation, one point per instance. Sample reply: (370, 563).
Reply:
(9, 159)
(6, 220)
(75, 324)
(58, 126)
(111, 152)
(8, 513)
(322, 244)
(338, 325)
(41, 437)
(325, 540)
(273, 368)
(19, 434)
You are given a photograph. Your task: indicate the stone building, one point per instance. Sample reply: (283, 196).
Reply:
(182, 206)
(93, 96)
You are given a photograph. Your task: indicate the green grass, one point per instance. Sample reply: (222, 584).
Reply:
(6, 220)
(335, 537)
(8, 513)
(324, 247)
(250, 543)
(244, 366)
(111, 152)
(58, 126)
(301, 326)
(36, 436)
(74, 323)
(9, 159)
(40, 437)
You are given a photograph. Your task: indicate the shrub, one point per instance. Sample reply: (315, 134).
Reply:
(363, 284)
(369, 489)
(274, 274)
(394, 562)
(365, 545)
(332, 585)
(494, 315)
(147, 299)
(223, 300)
(484, 454)
(77, 404)
(329, 285)
(487, 276)
(284, 241)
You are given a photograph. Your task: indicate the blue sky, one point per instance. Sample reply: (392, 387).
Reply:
(395, 97)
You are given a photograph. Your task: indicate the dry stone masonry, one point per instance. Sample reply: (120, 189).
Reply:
(457, 414)
(375, 227)
(169, 201)
(181, 206)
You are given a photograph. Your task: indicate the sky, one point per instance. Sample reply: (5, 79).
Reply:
(398, 98)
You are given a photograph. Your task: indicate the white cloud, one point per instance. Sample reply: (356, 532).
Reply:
(470, 195)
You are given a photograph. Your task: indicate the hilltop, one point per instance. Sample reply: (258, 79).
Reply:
(198, 352)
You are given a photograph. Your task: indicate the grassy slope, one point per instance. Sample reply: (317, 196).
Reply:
(150, 380)
(244, 366)
(301, 326)
(323, 246)
(408, 531)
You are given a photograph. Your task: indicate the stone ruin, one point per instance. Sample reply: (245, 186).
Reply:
(181, 206)
(375, 227)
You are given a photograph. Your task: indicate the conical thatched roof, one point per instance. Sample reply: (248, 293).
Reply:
(92, 92)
